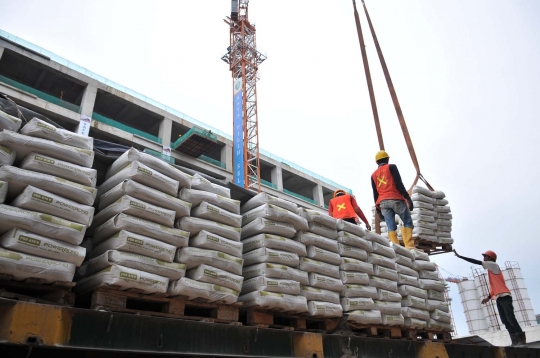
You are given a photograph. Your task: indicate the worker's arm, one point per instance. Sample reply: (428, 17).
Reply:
(472, 261)
(375, 192)
(399, 184)
(359, 212)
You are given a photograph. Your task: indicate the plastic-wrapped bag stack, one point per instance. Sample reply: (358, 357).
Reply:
(271, 277)
(46, 177)
(432, 217)
(132, 242)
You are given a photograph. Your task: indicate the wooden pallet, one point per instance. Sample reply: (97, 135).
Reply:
(109, 298)
(399, 332)
(36, 290)
(431, 248)
(265, 318)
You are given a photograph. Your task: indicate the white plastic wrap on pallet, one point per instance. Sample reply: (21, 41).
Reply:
(196, 197)
(359, 278)
(200, 183)
(431, 284)
(318, 217)
(273, 242)
(385, 295)
(349, 264)
(413, 301)
(439, 305)
(380, 260)
(202, 291)
(325, 282)
(265, 226)
(411, 312)
(262, 283)
(324, 309)
(365, 316)
(193, 257)
(405, 261)
(387, 307)
(265, 198)
(40, 129)
(352, 252)
(214, 213)
(206, 240)
(323, 268)
(9, 122)
(266, 255)
(319, 254)
(3, 191)
(406, 290)
(350, 228)
(275, 213)
(353, 240)
(392, 319)
(275, 301)
(357, 303)
(209, 274)
(196, 225)
(365, 291)
(309, 238)
(406, 270)
(319, 294)
(275, 271)
(383, 283)
(7, 156)
(436, 294)
(320, 229)
(408, 280)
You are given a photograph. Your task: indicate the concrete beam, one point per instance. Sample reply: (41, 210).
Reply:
(226, 156)
(88, 100)
(165, 131)
(277, 177)
(318, 194)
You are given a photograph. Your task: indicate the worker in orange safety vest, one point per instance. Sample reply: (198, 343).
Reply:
(343, 206)
(499, 291)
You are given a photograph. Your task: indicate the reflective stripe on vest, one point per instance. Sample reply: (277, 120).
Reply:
(384, 182)
(343, 208)
(497, 285)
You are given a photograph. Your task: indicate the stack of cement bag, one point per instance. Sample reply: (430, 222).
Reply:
(46, 178)
(271, 277)
(133, 243)
(10, 123)
(432, 218)
(214, 255)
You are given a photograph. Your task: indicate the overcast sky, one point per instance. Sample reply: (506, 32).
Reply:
(466, 73)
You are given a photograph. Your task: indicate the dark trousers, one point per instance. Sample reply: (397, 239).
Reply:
(350, 220)
(506, 312)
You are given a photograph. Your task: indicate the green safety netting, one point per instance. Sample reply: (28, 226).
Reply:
(195, 142)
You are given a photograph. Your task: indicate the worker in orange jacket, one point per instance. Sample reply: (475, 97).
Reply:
(499, 291)
(343, 206)
(391, 198)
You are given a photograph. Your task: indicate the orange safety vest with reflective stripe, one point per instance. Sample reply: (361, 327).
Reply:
(497, 285)
(343, 208)
(386, 187)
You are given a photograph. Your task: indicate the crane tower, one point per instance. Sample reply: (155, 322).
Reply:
(244, 60)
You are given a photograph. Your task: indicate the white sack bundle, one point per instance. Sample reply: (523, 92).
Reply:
(359, 278)
(196, 197)
(201, 290)
(406, 290)
(146, 194)
(406, 270)
(439, 326)
(420, 231)
(196, 225)
(437, 194)
(324, 309)
(318, 217)
(365, 291)
(309, 238)
(420, 265)
(7, 156)
(423, 212)
(214, 213)
(171, 270)
(385, 272)
(42, 201)
(437, 305)
(193, 257)
(353, 240)
(209, 274)
(380, 260)
(322, 230)
(423, 218)
(353, 252)
(275, 271)
(423, 191)
(41, 224)
(442, 209)
(275, 301)
(365, 317)
(398, 249)
(423, 198)
(405, 261)
(413, 301)
(48, 165)
(423, 205)
(266, 255)
(426, 225)
(383, 250)
(200, 183)
(445, 216)
(408, 280)
(414, 323)
(275, 213)
(262, 283)
(206, 240)
(319, 254)
(373, 237)
(441, 316)
(431, 275)
(385, 295)
(310, 265)
(265, 198)
(319, 294)
(445, 240)
(3, 191)
(419, 255)
(445, 229)
(357, 303)
(392, 319)
(350, 228)
(19, 179)
(137, 244)
(444, 222)
(383, 283)
(328, 283)
(33, 244)
(9, 122)
(349, 264)
(436, 294)
(411, 312)
(436, 285)
(388, 307)
(264, 226)
(133, 155)
(273, 242)
(40, 129)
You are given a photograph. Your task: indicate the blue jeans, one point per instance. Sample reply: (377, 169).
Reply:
(389, 209)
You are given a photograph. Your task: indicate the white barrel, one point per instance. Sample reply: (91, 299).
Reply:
(474, 313)
(527, 312)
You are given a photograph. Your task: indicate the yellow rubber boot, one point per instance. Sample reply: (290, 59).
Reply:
(406, 233)
(392, 235)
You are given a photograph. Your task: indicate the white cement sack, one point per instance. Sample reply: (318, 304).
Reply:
(266, 255)
(388, 307)
(33, 244)
(322, 230)
(364, 291)
(441, 316)
(264, 226)
(41, 224)
(352, 252)
(398, 249)
(319, 254)
(146, 194)
(437, 194)
(441, 209)
(265, 198)
(420, 231)
(196, 225)
(443, 234)
(380, 260)
(141, 174)
(385, 295)
(9, 122)
(206, 240)
(211, 212)
(406, 270)
(411, 312)
(405, 261)
(423, 205)
(308, 238)
(350, 228)
(419, 255)
(48, 165)
(383, 250)
(324, 309)
(42, 201)
(196, 197)
(444, 222)
(439, 326)
(423, 198)
(353, 240)
(414, 323)
(138, 244)
(408, 280)
(392, 319)
(319, 294)
(357, 303)
(383, 283)
(310, 265)
(432, 285)
(3, 191)
(19, 266)
(175, 237)
(426, 225)
(135, 207)
(349, 264)
(424, 218)
(318, 217)
(166, 169)
(385, 272)
(365, 316)
(432, 275)
(201, 290)
(422, 190)
(413, 301)
(328, 283)
(262, 283)
(445, 228)
(7, 156)
(193, 257)
(209, 274)
(40, 129)
(275, 213)
(420, 265)
(445, 240)
(200, 183)
(171, 270)
(406, 290)
(275, 271)
(273, 242)
(437, 305)
(359, 278)
(373, 237)
(275, 301)
(445, 216)
(424, 212)
(436, 295)
(19, 179)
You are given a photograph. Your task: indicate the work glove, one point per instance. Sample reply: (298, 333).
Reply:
(411, 206)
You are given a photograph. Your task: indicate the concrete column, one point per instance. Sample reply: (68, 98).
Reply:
(226, 156)
(318, 194)
(87, 107)
(277, 177)
(1, 52)
(165, 131)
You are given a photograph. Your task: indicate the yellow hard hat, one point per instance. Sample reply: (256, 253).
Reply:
(381, 154)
